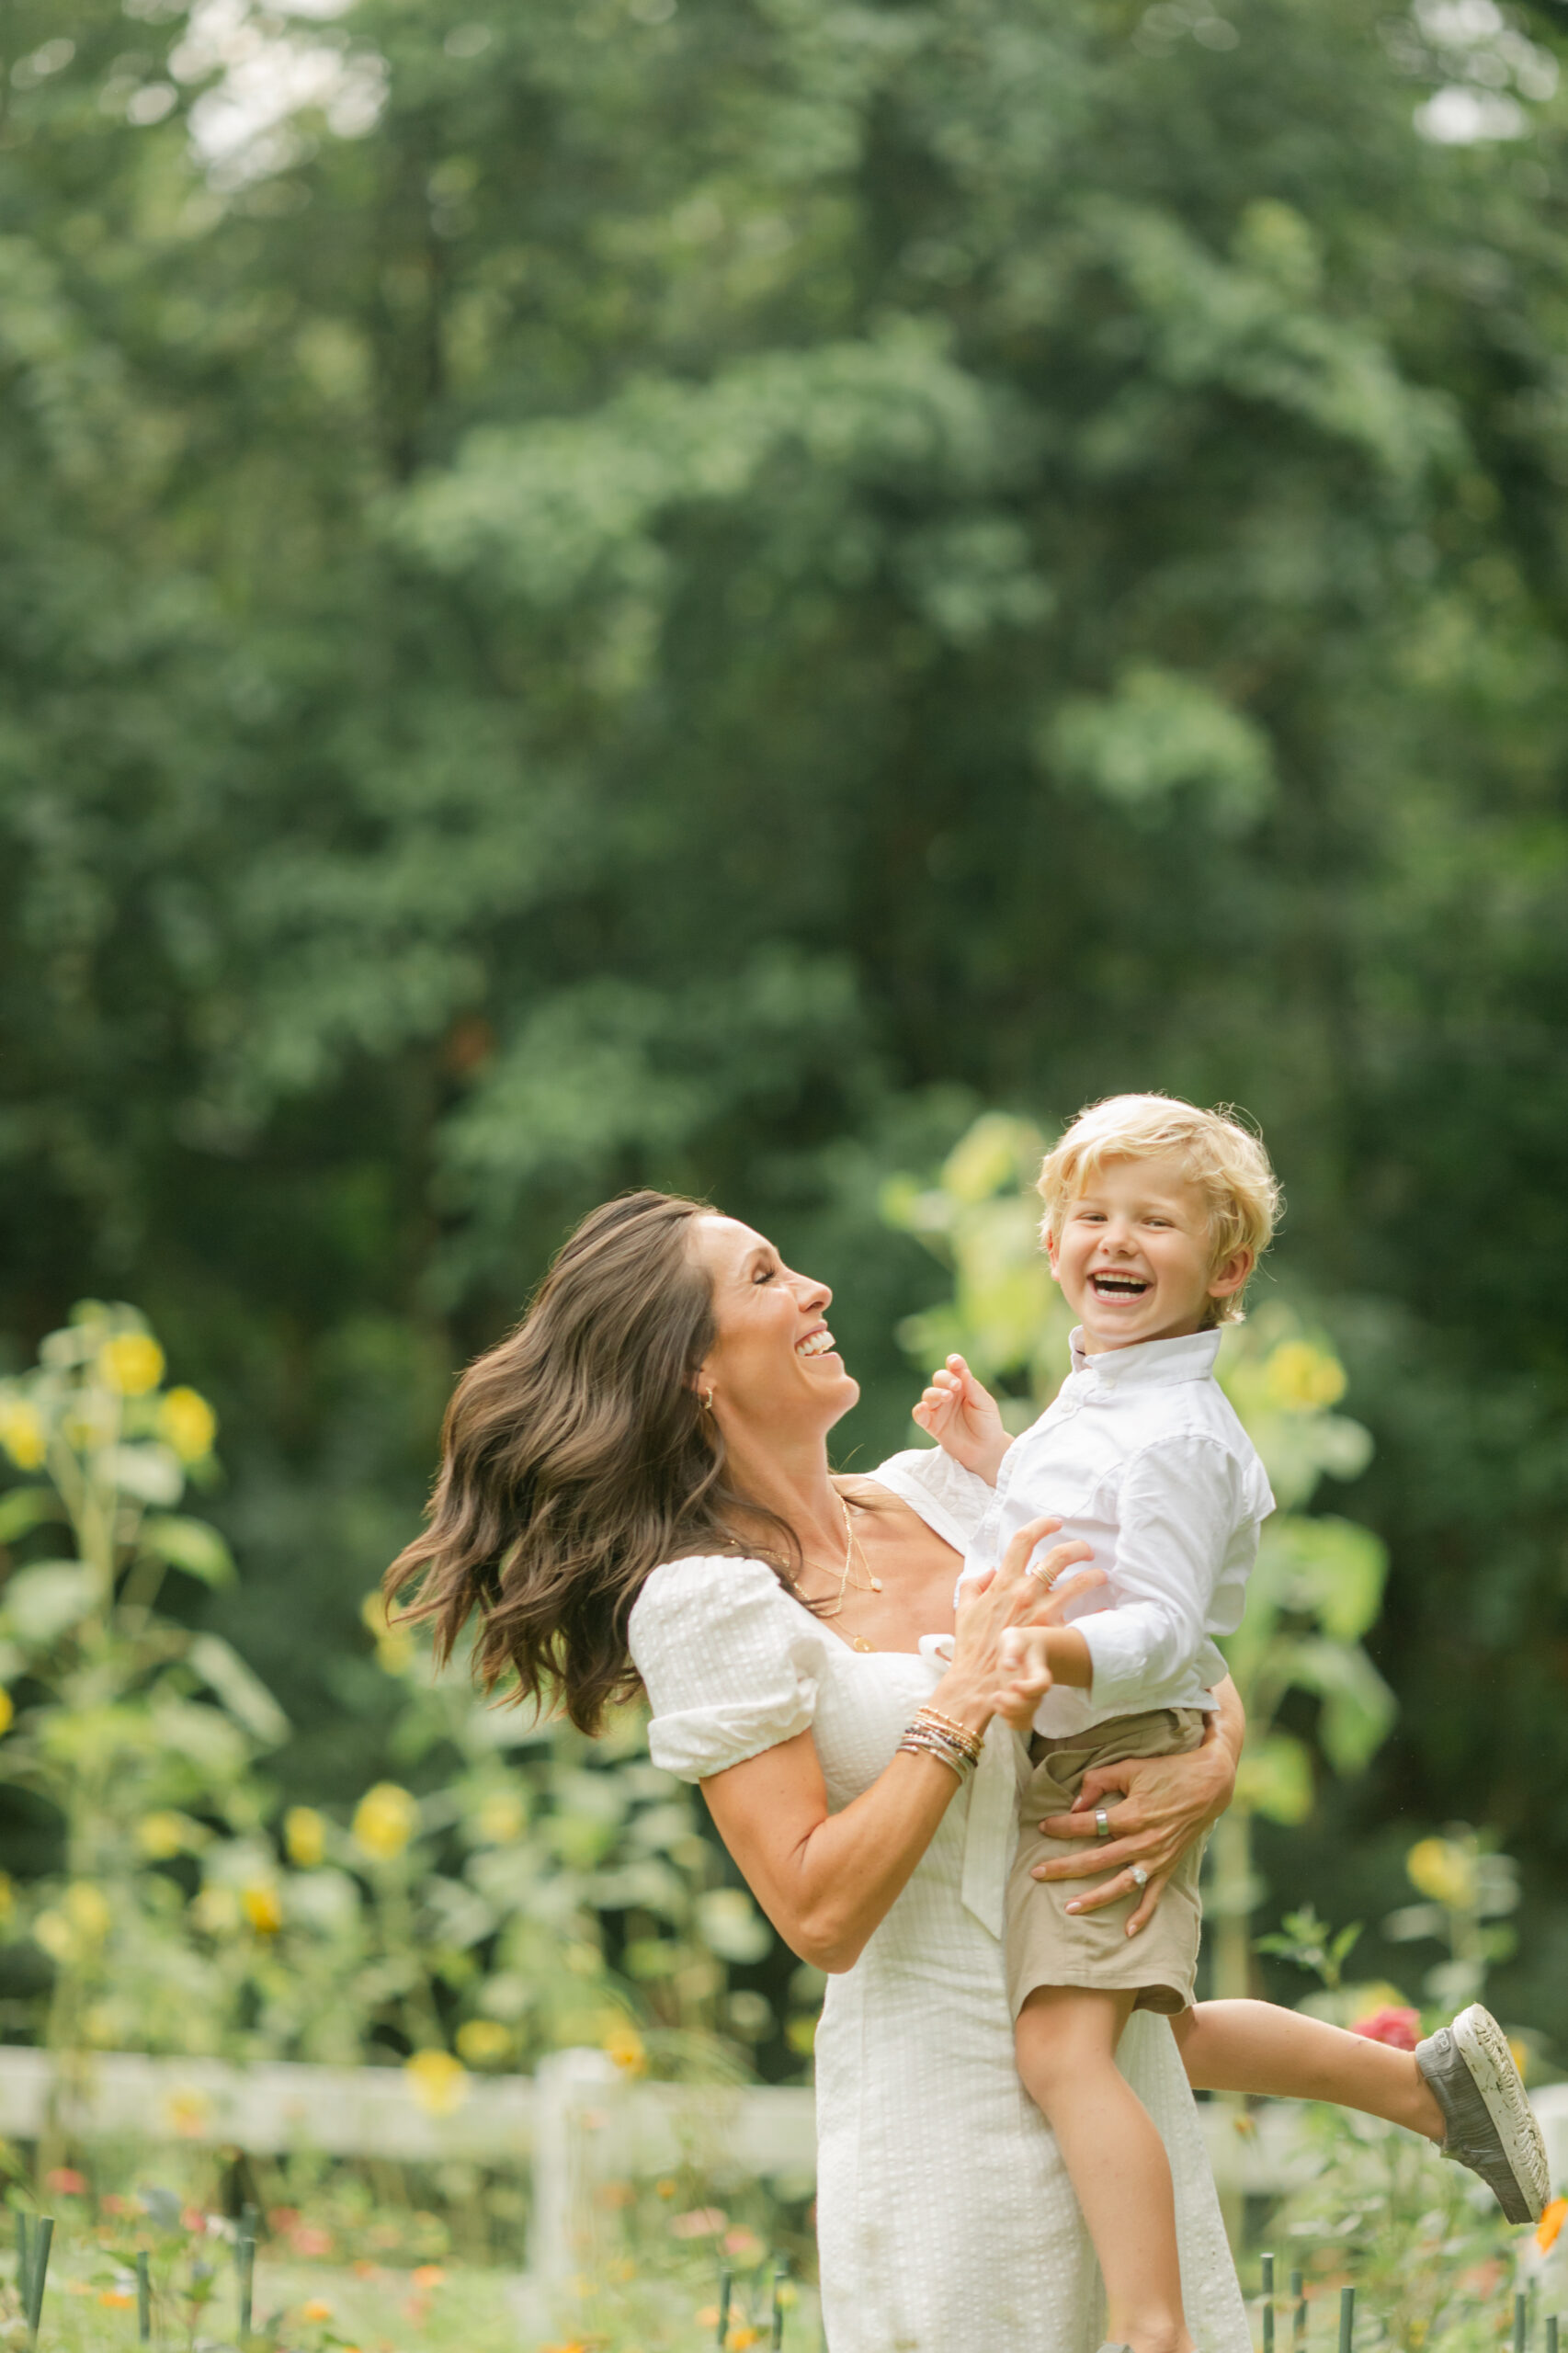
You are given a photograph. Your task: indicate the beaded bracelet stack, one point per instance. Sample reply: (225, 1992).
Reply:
(931, 1733)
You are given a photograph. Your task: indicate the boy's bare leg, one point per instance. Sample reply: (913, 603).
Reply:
(1066, 2039)
(1261, 2047)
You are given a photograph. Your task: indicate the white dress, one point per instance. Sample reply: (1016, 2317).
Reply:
(946, 2221)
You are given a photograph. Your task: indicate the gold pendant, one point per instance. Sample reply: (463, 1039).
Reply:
(860, 1644)
(876, 1584)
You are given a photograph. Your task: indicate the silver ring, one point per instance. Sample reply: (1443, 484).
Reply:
(1102, 1823)
(1140, 1876)
(1041, 1577)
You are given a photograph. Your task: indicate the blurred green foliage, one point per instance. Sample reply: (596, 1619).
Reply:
(548, 1891)
(694, 592)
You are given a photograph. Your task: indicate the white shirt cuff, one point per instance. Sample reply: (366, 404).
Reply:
(1119, 1658)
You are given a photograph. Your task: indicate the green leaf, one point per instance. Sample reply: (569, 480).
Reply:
(1332, 1570)
(1276, 1778)
(1358, 1709)
(191, 1545)
(244, 1694)
(149, 1472)
(23, 1508)
(1415, 1920)
(46, 1600)
(730, 1925)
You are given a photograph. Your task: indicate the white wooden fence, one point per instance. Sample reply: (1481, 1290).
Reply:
(575, 2123)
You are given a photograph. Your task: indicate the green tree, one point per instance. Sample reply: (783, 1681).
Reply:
(693, 592)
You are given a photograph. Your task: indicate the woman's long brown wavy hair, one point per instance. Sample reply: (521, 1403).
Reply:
(576, 1457)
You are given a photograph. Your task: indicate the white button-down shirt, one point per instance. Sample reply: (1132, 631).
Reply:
(1142, 1457)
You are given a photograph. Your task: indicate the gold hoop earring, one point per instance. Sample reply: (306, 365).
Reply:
(706, 1397)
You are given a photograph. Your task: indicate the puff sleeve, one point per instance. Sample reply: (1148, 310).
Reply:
(728, 1662)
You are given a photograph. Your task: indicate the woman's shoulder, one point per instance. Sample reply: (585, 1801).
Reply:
(726, 1598)
(728, 1662)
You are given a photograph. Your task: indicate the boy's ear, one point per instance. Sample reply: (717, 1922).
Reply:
(1232, 1273)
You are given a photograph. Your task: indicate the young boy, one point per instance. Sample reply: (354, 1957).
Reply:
(1157, 1214)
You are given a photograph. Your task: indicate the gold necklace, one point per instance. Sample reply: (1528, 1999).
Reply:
(847, 1579)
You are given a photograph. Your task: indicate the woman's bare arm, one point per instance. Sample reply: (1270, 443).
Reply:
(826, 1881)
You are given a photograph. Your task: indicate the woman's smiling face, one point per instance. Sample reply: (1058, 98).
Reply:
(773, 1367)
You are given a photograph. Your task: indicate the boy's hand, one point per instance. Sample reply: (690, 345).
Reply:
(962, 1415)
(1028, 1676)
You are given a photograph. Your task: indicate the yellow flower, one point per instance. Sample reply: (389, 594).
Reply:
(87, 1909)
(502, 1817)
(8, 1896)
(1521, 2054)
(187, 1422)
(118, 2298)
(385, 1820)
(187, 2112)
(132, 1362)
(22, 1433)
(1551, 2223)
(159, 1835)
(304, 1836)
(1302, 1378)
(483, 2042)
(627, 2047)
(52, 1931)
(263, 1908)
(373, 1612)
(396, 1649)
(1443, 1871)
(437, 2081)
(317, 2309)
(8, 1713)
(216, 1911)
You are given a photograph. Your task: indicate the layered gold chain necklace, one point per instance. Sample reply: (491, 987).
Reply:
(848, 1581)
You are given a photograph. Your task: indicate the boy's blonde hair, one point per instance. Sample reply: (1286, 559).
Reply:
(1224, 1159)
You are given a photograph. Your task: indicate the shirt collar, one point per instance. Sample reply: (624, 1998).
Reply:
(1151, 1363)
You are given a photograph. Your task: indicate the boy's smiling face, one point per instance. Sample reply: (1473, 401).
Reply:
(1135, 1256)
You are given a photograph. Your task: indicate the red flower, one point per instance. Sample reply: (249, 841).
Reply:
(1399, 2028)
(67, 2183)
(702, 2222)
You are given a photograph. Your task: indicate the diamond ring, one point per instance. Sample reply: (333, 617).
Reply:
(1140, 1876)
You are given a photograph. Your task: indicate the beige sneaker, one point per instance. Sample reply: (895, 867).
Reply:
(1490, 2125)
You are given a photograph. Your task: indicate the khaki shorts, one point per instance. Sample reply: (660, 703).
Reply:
(1048, 1945)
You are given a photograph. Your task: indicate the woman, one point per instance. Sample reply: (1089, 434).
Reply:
(635, 1490)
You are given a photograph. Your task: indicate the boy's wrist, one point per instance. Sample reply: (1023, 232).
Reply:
(990, 1464)
(983, 1458)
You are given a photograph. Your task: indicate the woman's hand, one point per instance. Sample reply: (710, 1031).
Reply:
(1022, 1592)
(1165, 1804)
